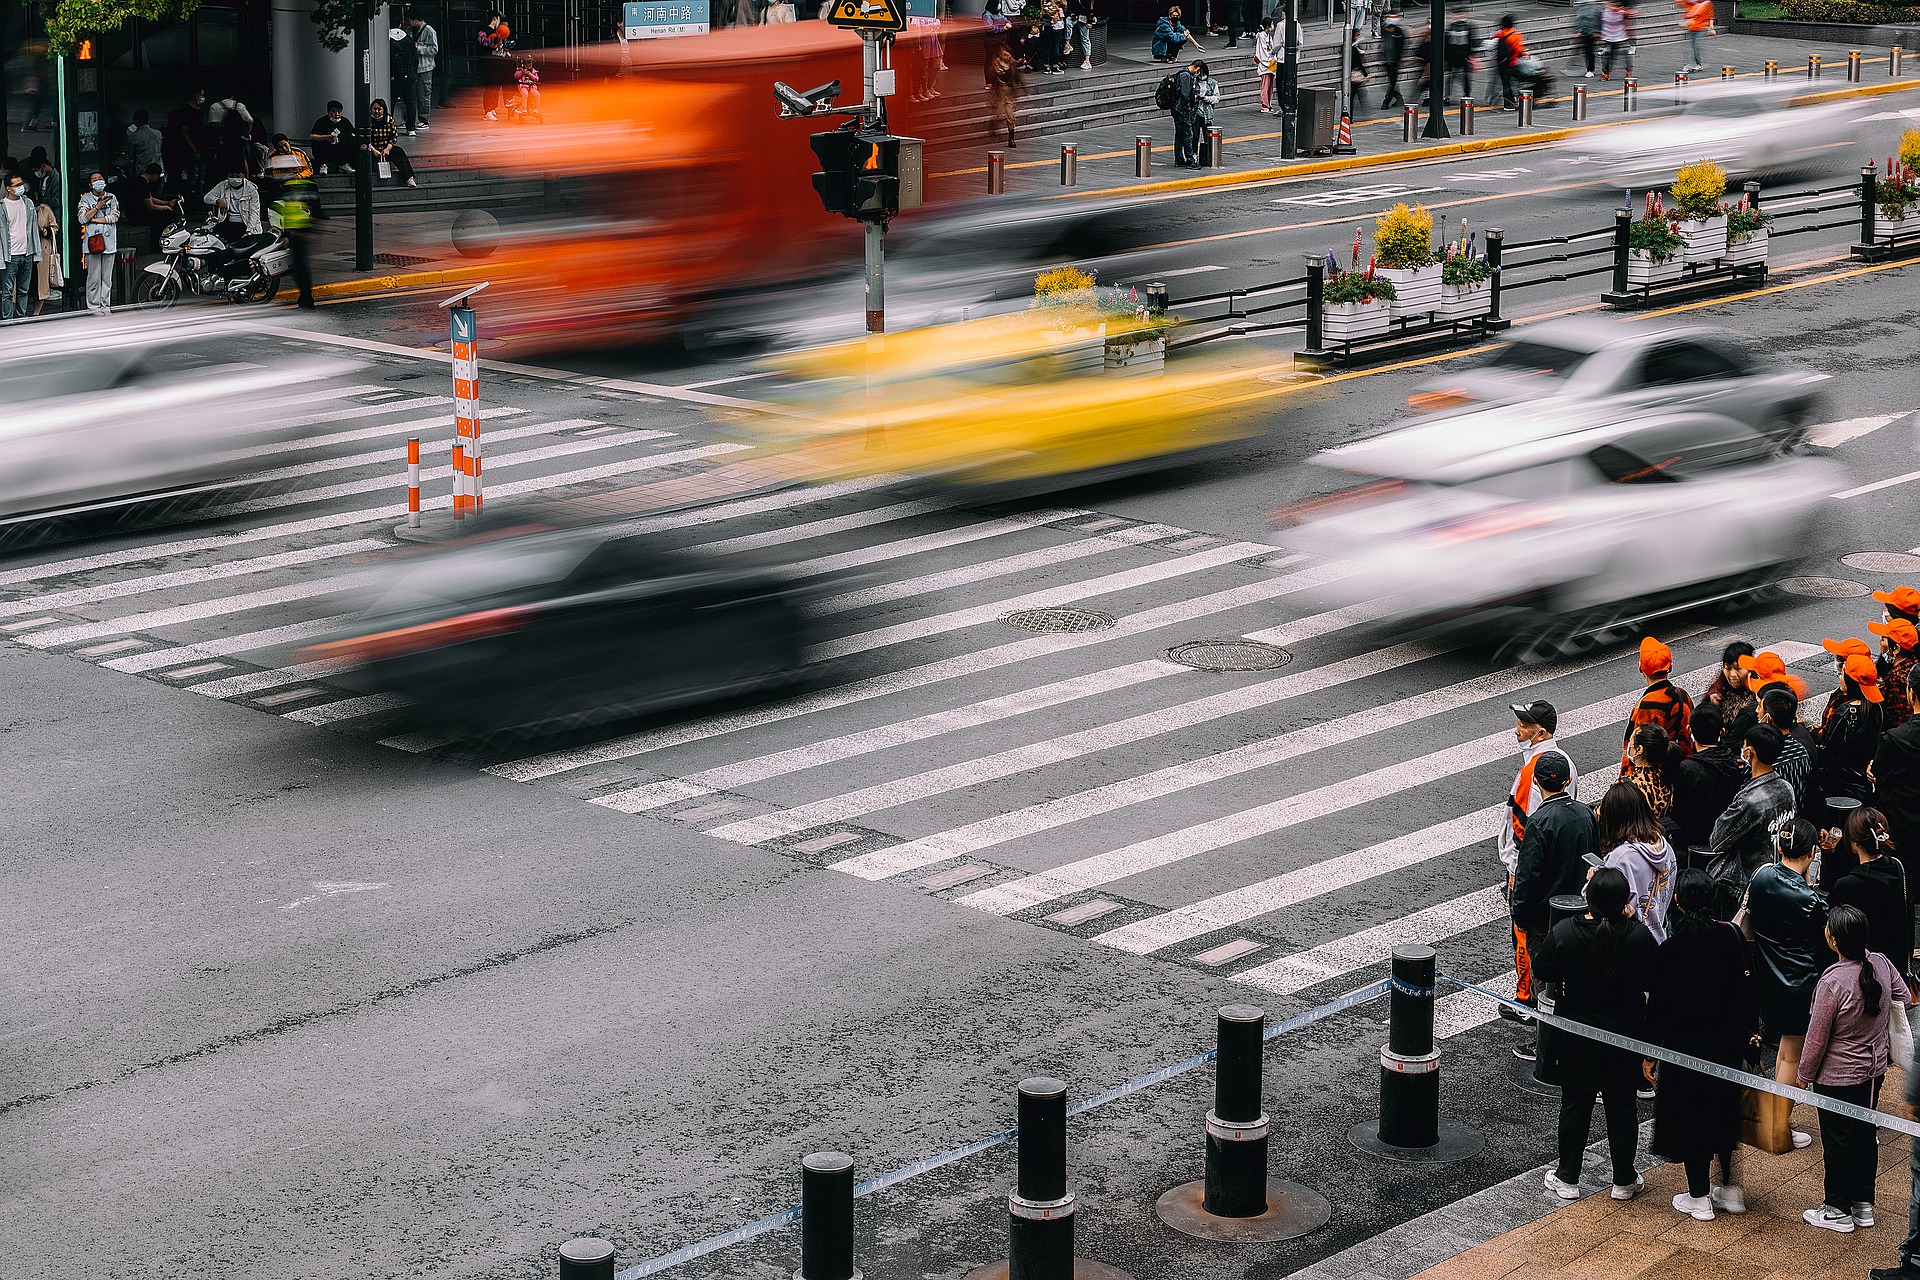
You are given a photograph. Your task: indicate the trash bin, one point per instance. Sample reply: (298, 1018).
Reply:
(123, 277)
(1319, 124)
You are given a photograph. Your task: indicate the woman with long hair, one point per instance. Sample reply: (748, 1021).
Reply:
(1845, 1058)
(1603, 961)
(1849, 735)
(1700, 1005)
(1650, 755)
(1861, 869)
(1634, 845)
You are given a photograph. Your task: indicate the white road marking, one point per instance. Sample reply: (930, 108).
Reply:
(350, 708)
(821, 528)
(1355, 195)
(1878, 485)
(1464, 1010)
(418, 426)
(1831, 435)
(196, 612)
(1154, 277)
(1335, 959)
(738, 377)
(246, 642)
(1005, 566)
(936, 541)
(330, 889)
(257, 681)
(395, 454)
(189, 577)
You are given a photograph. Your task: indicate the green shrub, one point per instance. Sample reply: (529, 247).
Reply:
(1844, 11)
(1356, 286)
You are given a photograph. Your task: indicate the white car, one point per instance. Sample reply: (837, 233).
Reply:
(1751, 130)
(1548, 536)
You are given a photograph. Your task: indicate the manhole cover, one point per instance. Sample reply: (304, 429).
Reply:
(1051, 620)
(1823, 588)
(1882, 561)
(1229, 655)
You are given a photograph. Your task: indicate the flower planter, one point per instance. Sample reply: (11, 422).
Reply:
(1416, 290)
(1643, 270)
(1906, 224)
(1079, 351)
(1465, 301)
(1744, 253)
(1352, 321)
(1706, 238)
(1139, 355)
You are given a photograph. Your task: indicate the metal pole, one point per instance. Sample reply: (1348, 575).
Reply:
(1893, 61)
(1040, 1210)
(1436, 70)
(1409, 1064)
(996, 173)
(1752, 190)
(1466, 117)
(1579, 102)
(1524, 116)
(1622, 242)
(1853, 65)
(1770, 70)
(362, 158)
(1343, 108)
(1630, 94)
(1868, 194)
(826, 1217)
(1726, 71)
(466, 410)
(1236, 1178)
(1496, 240)
(1214, 149)
(1069, 165)
(1546, 1062)
(1679, 79)
(1316, 284)
(1409, 123)
(1290, 81)
(413, 482)
(1142, 157)
(586, 1258)
(1813, 66)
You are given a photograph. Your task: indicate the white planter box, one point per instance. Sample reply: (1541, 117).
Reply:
(1706, 238)
(1906, 225)
(1643, 270)
(1351, 321)
(1141, 356)
(1464, 302)
(1416, 290)
(1084, 351)
(1749, 251)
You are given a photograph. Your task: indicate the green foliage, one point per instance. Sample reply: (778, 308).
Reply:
(334, 21)
(1403, 237)
(1461, 269)
(75, 20)
(1843, 11)
(1356, 286)
(1655, 231)
(1698, 189)
(1743, 220)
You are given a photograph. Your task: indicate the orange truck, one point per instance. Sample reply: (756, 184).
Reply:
(675, 191)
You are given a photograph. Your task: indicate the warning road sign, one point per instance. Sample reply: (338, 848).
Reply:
(869, 15)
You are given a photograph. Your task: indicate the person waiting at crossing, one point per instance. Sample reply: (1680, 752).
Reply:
(1664, 703)
(1729, 694)
(1899, 652)
(1704, 783)
(1849, 734)
(1785, 918)
(1637, 848)
(1650, 767)
(1742, 837)
(1551, 860)
(1533, 727)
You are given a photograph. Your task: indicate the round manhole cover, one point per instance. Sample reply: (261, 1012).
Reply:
(1882, 561)
(1823, 588)
(1229, 655)
(1051, 620)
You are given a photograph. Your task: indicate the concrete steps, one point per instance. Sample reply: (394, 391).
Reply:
(439, 190)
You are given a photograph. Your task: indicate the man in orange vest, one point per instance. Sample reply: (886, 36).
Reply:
(1533, 727)
(1698, 16)
(1664, 703)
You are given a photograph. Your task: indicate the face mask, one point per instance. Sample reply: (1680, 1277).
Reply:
(234, 183)
(16, 189)
(99, 185)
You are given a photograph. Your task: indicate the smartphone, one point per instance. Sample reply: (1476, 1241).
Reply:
(1593, 860)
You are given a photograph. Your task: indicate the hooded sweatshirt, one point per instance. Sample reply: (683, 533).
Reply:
(1896, 786)
(1649, 873)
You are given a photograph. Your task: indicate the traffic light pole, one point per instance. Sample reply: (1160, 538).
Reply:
(1290, 81)
(875, 121)
(362, 157)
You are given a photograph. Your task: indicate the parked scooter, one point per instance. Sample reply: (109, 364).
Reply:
(199, 261)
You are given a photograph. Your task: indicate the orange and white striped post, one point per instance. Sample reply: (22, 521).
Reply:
(464, 332)
(413, 482)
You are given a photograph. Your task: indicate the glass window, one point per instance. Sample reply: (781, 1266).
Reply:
(1676, 363)
(219, 32)
(163, 45)
(1540, 359)
(1678, 451)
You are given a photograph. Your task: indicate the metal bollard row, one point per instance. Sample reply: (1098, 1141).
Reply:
(1069, 164)
(1212, 154)
(1466, 117)
(1579, 102)
(1523, 117)
(996, 173)
(1630, 94)
(1142, 157)
(1409, 123)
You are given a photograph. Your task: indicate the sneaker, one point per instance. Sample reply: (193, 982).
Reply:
(346, 168)
(1588, 76)
(1525, 1053)
(1565, 1190)
(412, 183)
(1606, 75)
(1904, 1271)
(1801, 1139)
(492, 116)
(1862, 1213)
(322, 171)
(1516, 1015)
(1631, 1190)
(1699, 1208)
(1828, 1218)
(423, 126)
(1729, 1199)
(1645, 1095)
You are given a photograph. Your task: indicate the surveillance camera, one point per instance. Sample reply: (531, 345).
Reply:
(795, 103)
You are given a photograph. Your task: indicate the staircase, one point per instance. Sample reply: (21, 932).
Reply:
(1121, 91)
(439, 190)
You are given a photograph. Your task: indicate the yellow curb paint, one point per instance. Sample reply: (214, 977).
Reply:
(412, 279)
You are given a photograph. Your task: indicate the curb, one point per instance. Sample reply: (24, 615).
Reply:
(405, 280)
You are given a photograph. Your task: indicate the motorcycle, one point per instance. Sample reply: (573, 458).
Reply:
(199, 261)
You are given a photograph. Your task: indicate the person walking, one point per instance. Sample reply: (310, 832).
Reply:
(1586, 28)
(1634, 845)
(1899, 650)
(19, 249)
(1461, 39)
(1704, 783)
(1664, 703)
(1741, 841)
(1845, 1058)
(1698, 18)
(1616, 33)
(1604, 962)
(1849, 735)
(293, 214)
(1785, 919)
(1393, 50)
(1509, 46)
(1700, 1004)
(1551, 859)
(99, 215)
(426, 57)
(1186, 116)
(1356, 75)
(1266, 57)
(1533, 726)
(47, 275)
(1003, 82)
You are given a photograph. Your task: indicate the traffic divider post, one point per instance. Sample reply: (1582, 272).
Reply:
(1410, 1127)
(996, 173)
(1726, 71)
(1316, 286)
(466, 410)
(1466, 117)
(826, 1217)
(1524, 116)
(1679, 79)
(1853, 66)
(1579, 102)
(1893, 61)
(1813, 66)
(1156, 299)
(413, 482)
(1214, 148)
(1751, 190)
(1496, 246)
(1869, 194)
(1630, 94)
(1770, 70)
(1069, 164)
(586, 1258)
(1409, 123)
(1142, 157)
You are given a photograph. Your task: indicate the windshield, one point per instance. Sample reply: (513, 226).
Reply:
(1538, 359)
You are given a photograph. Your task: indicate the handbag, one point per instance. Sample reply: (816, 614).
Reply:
(1763, 1121)
(1900, 1035)
(385, 169)
(96, 243)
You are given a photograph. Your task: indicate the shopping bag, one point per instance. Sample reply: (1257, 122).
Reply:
(1900, 1036)
(1763, 1121)
(385, 168)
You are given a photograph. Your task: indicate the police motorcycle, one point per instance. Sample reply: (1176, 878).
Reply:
(198, 260)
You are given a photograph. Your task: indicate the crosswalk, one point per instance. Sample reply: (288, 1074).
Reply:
(1281, 823)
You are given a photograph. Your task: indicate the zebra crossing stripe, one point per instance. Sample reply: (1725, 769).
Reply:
(1292, 973)
(196, 612)
(984, 570)
(225, 646)
(188, 577)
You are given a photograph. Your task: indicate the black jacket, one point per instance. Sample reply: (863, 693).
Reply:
(1559, 834)
(1879, 888)
(1847, 742)
(1896, 788)
(1186, 93)
(1393, 45)
(1602, 987)
(1703, 785)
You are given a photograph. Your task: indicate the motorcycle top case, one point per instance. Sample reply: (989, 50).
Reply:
(276, 262)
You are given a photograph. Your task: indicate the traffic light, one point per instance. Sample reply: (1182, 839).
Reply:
(835, 181)
(876, 176)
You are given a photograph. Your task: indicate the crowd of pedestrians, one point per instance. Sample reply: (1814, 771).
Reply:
(1744, 887)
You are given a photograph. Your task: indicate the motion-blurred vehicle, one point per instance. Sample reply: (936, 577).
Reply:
(100, 410)
(570, 626)
(1750, 130)
(196, 260)
(1633, 368)
(1552, 537)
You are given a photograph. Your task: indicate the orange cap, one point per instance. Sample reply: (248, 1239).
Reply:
(1900, 631)
(1654, 657)
(1863, 673)
(1841, 648)
(1904, 599)
(1766, 668)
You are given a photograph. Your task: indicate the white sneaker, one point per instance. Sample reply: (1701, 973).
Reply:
(322, 171)
(423, 127)
(1589, 75)
(492, 116)
(1699, 1208)
(1631, 1190)
(346, 168)
(1565, 1190)
(1862, 1213)
(1801, 1139)
(1729, 1199)
(1829, 1218)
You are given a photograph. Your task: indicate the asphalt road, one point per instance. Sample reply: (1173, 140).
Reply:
(296, 988)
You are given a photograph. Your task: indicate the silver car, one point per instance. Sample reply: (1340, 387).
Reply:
(1630, 368)
(1548, 536)
(1749, 129)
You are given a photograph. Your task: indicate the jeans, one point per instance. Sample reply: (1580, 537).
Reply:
(1615, 49)
(1849, 1148)
(404, 113)
(1696, 48)
(1461, 72)
(422, 97)
(1186, 137)
(1589, 45)
(16, 287)
(1614, 1083)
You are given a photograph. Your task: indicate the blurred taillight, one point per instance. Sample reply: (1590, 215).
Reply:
(1491, 524)
(423, 636)
(1429, 401)
(1328, 503)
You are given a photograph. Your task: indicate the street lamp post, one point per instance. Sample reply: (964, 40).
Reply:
(363, 157)
(1290, 81)
(1436, 71)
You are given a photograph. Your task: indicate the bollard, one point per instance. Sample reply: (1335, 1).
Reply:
(1069, 165)
(1869, 192)
(1143, 157)
(1679, 79)
(1771, 70)
(1546, 1042)
(1752, 191)
(1156, 299)
(1726, 71)
(1410, 1127)
(587, 1258)
(413, 482)
(1040, 1209)
(1523, 118)
(1853, 66)
(1622, 244)
(1579, 102)
(1213, 149)
(1813, 66)
(1236, 1201)
(1466, 117)
(1496, 242)
(1893, 62)
(1409, 123)
(826, 1217)
(996, 173)
(1630, 94)
(1316, 283)
(465, 333)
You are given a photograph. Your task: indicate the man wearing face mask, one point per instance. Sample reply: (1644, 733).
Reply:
(19, 249)
(99, 215)
(237, 201)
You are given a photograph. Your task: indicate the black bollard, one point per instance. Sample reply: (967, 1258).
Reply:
(1496, 243)
(1622, 250)
(1869, 246)
(1040, 1210)
(1546, 1040)
(826, 1217)
(587, 1258)
(1236, 1181)
(1410, 1127)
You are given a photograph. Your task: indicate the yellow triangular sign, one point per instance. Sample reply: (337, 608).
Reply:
(869, 15)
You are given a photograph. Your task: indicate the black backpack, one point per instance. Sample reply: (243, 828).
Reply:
(1167, 94)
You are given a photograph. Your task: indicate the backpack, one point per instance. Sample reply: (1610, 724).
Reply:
(1166, 95)
(1460, 34)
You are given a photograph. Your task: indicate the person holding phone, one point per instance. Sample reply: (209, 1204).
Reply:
(1638, 849)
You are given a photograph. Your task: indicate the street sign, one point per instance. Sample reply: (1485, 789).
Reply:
(652, 19)
(869, 15)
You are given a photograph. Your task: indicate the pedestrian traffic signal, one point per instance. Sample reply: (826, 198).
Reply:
(835, 181)
(867, 176)
(876, 176)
